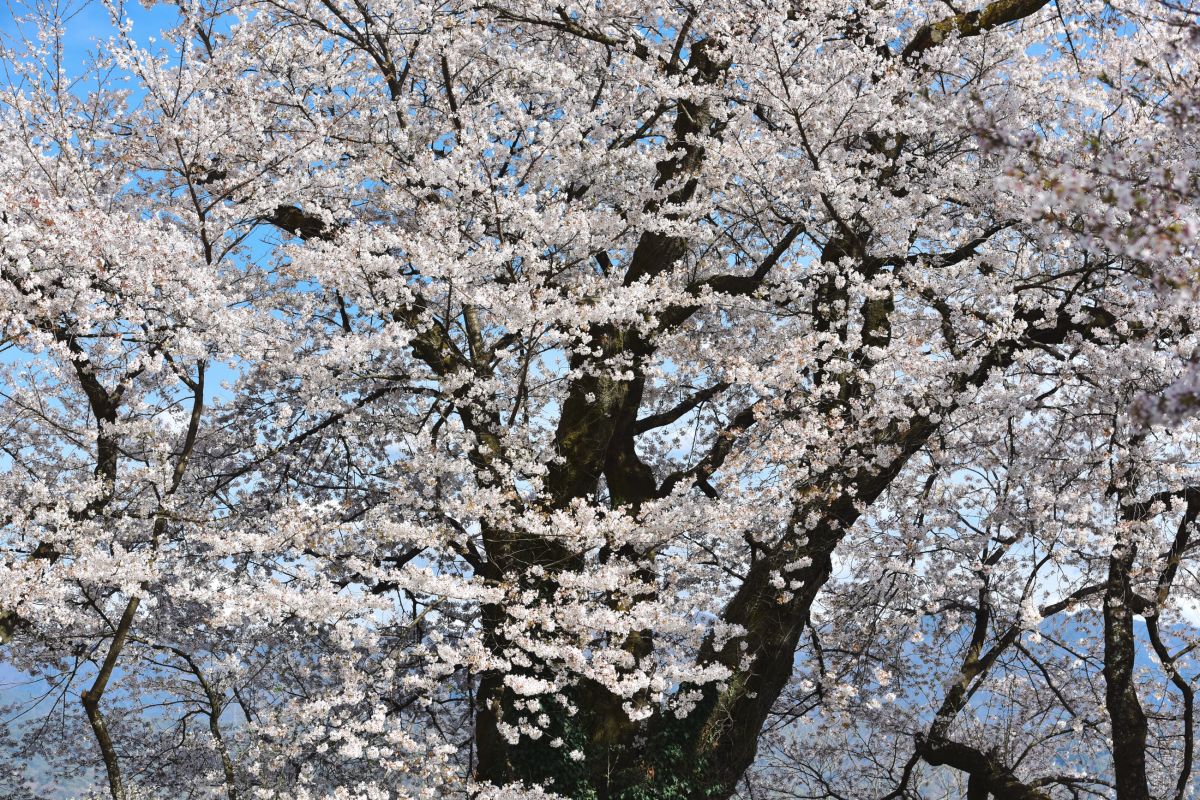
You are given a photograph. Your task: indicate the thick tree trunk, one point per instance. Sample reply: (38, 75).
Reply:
(1124, 709)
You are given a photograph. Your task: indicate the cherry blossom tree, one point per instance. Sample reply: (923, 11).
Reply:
(610, 400)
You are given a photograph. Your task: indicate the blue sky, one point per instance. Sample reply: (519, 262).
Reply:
(86, 22)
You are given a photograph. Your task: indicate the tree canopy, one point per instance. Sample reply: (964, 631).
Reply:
(606, 400)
